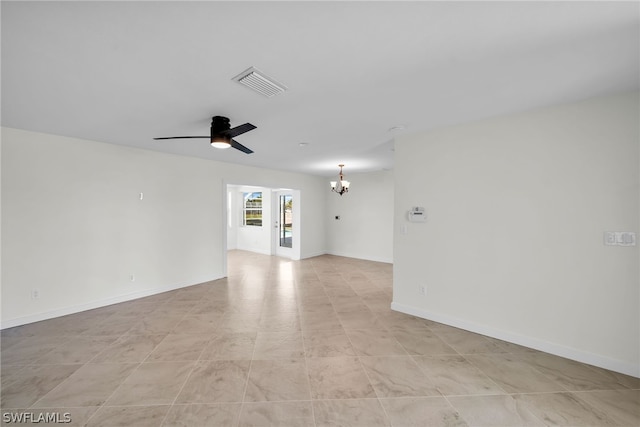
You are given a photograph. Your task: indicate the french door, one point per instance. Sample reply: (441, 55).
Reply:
(284, 229)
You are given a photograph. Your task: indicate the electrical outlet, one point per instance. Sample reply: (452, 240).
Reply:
(35, 294)
(422, 289)
(132, 277)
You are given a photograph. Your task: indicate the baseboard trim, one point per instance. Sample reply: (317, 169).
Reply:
(312, 254)
(537, 344)
(360, 256)
(50, 314)
(255, 250)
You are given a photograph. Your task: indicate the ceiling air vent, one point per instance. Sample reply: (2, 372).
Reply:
(256, 80)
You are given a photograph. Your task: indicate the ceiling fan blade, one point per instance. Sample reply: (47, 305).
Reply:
(235, 144)
(182, 137)
(239, 130)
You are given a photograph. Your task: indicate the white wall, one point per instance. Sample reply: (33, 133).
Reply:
(232, 218)
(513, 247)
(365, 228)
(74, 228)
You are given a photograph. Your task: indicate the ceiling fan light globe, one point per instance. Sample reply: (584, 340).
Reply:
(221, 145)
(221, 142)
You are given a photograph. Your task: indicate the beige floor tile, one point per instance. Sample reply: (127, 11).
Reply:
(315, 304)
(338, 378)
(33, 383)
(355, 277)
(11, 373)
(318, 320)
(377, 301)
(493, 411)
(396, 320)
(70, 325)
(241, 321)
(350, 413)
(77, 350)
(280, 342)
(177, 308)
(230, 346)
(397, 377)
(275, 380)
(372, 342)
(129, 349)
(153, 383)
(573, 376)
(361, 319)
(421, 412)
(513, 374)
(364, 288)
(155, 324)
(91, 385)
(283, 301)
(198, 324)
(278, 345)
(115, 325)
(28, 330)
(138, 308)
(346, 302)
(327, 343)
(626, 380)
(176, 347)
(216, 306)
(277, 414)
(563, 409)
(215, 381)
(622, 406)
(215, 414)
(454, 375)
(139, 416)
(279, 320)
(29, 349)
(465, 342)
(421, 342)
(10, 340)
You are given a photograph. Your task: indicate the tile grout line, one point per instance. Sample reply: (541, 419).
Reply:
(126, 334)
(306, 362)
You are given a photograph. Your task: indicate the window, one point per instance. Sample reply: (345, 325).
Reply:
(252, 209)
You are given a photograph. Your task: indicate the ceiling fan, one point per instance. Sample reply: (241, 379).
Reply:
(222, 134)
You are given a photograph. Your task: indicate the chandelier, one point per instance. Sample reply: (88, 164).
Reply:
(340, 186)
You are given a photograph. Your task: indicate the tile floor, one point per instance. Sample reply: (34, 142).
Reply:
(302, 343)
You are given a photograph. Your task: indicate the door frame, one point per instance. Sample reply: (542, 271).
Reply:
(297, 238)
(293, 252)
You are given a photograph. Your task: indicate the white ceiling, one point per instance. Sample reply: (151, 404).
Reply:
(125, 72)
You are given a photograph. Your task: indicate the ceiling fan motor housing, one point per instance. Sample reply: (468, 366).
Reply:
(219, 124)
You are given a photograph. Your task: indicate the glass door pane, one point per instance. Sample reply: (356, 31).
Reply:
(286, 221)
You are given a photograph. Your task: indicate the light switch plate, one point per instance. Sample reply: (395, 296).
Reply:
(620, 238)
(626, 238)
(610, 238)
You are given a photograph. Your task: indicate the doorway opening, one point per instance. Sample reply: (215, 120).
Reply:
(285, 217)
(263, 220)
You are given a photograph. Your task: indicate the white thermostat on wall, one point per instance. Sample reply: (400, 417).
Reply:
(417, 214)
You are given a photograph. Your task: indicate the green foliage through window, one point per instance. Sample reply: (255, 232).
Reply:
(252, 209)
